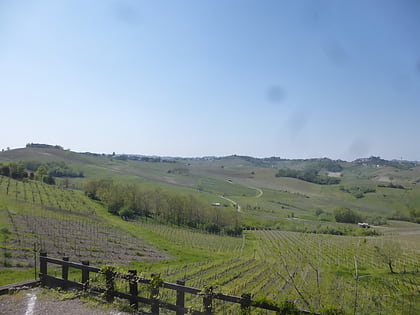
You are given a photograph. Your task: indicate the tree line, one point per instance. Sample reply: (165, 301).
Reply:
(129, 201)
(55, 169)
(17, 170)
(310, 175)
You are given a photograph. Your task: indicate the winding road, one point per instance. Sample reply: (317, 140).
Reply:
(237, 205)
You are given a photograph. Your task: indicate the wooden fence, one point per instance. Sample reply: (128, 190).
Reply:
(155, 284)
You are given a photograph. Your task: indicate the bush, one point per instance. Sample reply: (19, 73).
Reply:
(233, 230)
(308, 176)
(346, 215)
(48, 180)
(212, 228)
(127, 213)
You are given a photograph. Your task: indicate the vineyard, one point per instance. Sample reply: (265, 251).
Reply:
(62, 222)
(315, 271)
(47, 196)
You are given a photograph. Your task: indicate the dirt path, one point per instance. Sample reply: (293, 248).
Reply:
(41, 302)
(237, 205)
(260, 192)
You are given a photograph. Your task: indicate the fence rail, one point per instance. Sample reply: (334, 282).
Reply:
(155, 285)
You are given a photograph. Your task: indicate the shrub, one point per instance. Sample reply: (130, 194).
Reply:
(127, 213)
(233, 230)
(212, 228)
(346, 215)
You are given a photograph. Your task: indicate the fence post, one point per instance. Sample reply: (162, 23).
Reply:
(85, 275)
(180, 297)
(109, 283)
(134, 290)
(208, 300)
(246, 303)
(65, 269)
(154, 292)
(42, 266)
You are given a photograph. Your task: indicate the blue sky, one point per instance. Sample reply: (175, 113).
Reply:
(294, 79)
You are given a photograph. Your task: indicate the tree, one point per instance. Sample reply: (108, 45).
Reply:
(48, 180)
(389, 252)
(17, 170)
(5, 170)
(40, 173)
(346, 215)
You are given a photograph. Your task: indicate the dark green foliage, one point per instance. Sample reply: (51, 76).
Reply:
(377, 161)
(130, 201)
(232, 230)
(5, 170)
(179, 170)
(328, 165)
(211, 227)
(56, 169)
(391, 185)
(358, 191)
(399, 215)
(127, 213)
(415, 216)
(309, 175)
(42, 172)
(48, 180)
(13, 170)
(412, 216)
(44, 146)
(346, 215)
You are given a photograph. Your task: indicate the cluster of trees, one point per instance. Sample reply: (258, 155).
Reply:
(346, 215)
(13, 170)
(358, 191)
(391, 185)
(377, 161)
(412, 216)
(153, 159)
(44, 146)
(310, 175)
(17, 170)
(179, 170)
(54, 169)
(415, 215)
(329, 165)
(130, 201)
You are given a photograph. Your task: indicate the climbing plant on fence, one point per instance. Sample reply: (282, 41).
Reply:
(155, 285)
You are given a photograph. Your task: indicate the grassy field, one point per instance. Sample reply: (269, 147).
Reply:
(277, 258)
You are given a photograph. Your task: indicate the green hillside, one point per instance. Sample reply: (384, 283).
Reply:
(155, 215)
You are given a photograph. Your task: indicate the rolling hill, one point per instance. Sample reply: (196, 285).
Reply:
(284, 221)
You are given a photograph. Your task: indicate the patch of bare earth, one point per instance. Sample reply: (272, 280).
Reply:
(83, 239)
(40, 302)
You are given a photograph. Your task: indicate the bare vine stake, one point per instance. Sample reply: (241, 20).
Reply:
(35, 277)
(357, 280)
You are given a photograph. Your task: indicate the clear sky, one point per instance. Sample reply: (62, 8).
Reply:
(295, 79)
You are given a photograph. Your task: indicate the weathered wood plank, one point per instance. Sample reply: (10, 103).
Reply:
(6, 289)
